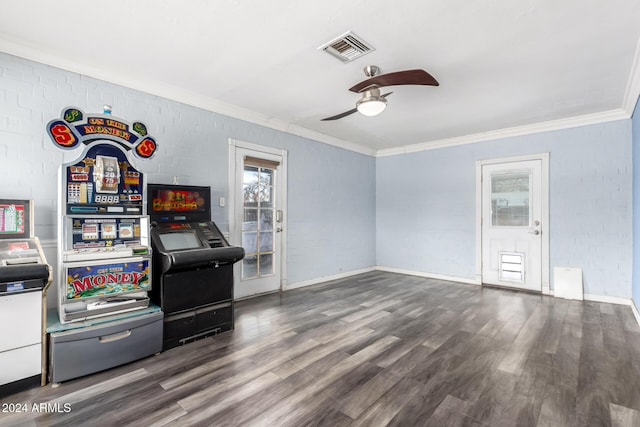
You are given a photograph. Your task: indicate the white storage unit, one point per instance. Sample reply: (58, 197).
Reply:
(24, 279)
(20, 333)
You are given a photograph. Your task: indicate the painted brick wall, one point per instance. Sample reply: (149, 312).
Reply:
(426, 205)
(331, 191)
(635, 120)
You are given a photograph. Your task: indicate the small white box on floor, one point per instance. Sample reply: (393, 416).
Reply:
(567, 283)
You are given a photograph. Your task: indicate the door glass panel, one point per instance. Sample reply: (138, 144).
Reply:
(266, 241)
(266, 264)
(510, 199)
(258, 224)
(250, 222)
(266, 176)
(251, 186)
(250, 267)
(250, 241)
(266, 219)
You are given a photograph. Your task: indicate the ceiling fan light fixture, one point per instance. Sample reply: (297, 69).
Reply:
(371, 103)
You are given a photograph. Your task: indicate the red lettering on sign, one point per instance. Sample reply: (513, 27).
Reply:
(146, 148)
(101, 280)
(81, 286)
(63, 136)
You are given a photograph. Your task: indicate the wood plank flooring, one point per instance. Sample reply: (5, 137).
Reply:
(375, 349)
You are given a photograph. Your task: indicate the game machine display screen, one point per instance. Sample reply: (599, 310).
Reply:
(18, 245)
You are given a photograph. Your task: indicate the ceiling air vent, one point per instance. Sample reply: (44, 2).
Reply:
(347, 47)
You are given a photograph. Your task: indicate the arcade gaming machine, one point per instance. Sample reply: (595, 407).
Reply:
(192, 264)
(104, 250)
(24, 279)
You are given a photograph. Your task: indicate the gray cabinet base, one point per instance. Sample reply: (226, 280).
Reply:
(78, 352)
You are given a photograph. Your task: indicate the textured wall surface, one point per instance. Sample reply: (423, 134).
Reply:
(331, 191)
(426, 205)
(635, 120)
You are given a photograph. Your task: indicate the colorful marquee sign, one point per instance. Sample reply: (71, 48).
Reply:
(75, 127)
(103, 280)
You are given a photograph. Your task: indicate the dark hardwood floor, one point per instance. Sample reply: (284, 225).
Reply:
(373, 350)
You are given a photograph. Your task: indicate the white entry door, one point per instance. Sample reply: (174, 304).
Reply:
(513, 224)
(258, 222)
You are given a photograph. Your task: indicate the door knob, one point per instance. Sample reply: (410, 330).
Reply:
(536, 232)
(278, 230)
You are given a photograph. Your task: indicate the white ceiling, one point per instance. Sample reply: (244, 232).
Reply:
(501, 64)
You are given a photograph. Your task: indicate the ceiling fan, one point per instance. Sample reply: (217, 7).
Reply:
(372, 102)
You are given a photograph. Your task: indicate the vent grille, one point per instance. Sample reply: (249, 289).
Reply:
(347, 47)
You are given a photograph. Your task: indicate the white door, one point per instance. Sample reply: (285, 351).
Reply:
(512, 224)
(258, 221)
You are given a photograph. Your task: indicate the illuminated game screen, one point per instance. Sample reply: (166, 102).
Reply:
(14, 218)
(176, 203)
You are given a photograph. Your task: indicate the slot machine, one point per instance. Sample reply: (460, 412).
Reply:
(24, 279)
(104, 248)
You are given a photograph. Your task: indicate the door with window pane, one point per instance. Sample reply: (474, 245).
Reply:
(259, 216)
(511, 224)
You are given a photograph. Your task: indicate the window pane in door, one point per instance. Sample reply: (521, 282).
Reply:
(250, 242)
(266, 219)
(510, 199)
(250, 222)
(266, 264)
(266, 197)
(251, 186)
(266, 241)
(250, 267)
(266, 176)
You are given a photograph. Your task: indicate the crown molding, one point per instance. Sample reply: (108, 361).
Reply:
(157, 88)
(632, 91)
(571, 122)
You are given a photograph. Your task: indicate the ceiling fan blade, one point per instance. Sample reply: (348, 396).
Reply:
(407, 77)
(341, 115)
(348, 113)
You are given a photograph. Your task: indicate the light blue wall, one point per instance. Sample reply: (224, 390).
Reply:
(426, 205)
(635, 120)
(331, 191)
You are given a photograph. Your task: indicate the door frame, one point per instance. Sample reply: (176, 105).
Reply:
(544, 216)
(258, 150)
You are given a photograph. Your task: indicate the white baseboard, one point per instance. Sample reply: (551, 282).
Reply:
(323, 279)
(607, 299)
(429, 275)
